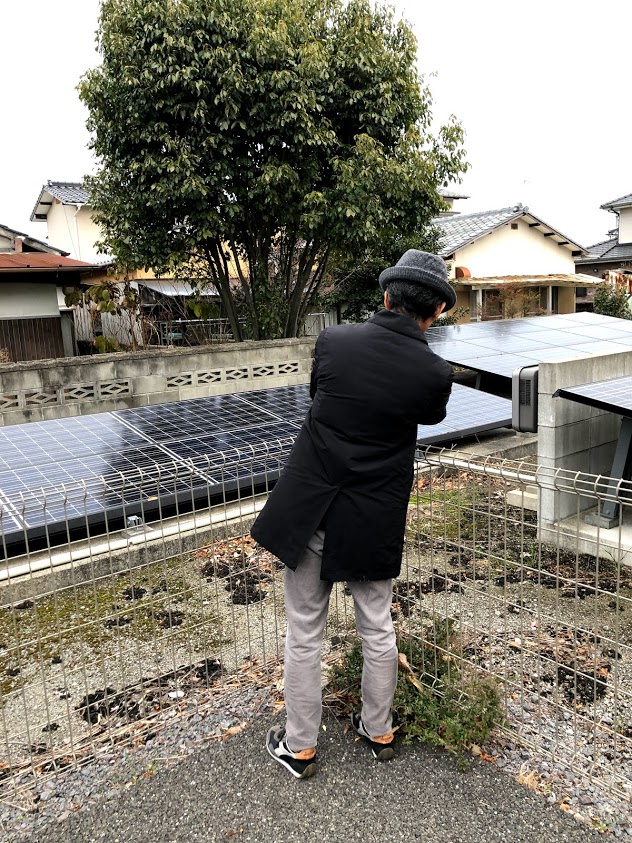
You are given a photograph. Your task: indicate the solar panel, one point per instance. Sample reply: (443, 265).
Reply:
(81, 472)
(285, 402)
(469, 411)
(71, 470)
(499, 364)
(527, 342)
(58, 439)
(180, 419)
(614, 395)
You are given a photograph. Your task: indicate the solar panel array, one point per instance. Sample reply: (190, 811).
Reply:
(614, 395)
(60, 474)
(469, 412)
(501, 347)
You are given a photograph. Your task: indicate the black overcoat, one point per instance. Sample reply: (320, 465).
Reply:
(351, 468)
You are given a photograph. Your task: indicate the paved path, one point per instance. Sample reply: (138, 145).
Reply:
(234, 792)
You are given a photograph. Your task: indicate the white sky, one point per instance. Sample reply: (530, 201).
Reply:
(542, 88)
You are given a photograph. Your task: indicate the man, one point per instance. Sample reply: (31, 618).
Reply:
(338, 511)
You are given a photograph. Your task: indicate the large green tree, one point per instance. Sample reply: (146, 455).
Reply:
(259, 139)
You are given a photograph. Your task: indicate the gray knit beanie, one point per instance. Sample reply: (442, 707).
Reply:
(421, 268)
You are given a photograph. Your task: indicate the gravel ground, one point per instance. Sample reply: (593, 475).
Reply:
(232, 790)
(219, 740)
(520, 631)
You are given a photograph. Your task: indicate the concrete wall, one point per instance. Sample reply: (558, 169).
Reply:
(76, 386)
(573, 436)
(521, 251)
(25, 300)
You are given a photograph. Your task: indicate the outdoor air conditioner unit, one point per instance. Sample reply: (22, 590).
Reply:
(524, 399)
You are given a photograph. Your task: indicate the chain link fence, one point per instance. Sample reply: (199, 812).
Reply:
(109, 619)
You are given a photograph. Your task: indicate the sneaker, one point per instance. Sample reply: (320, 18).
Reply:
(301, 768)
(380, 751)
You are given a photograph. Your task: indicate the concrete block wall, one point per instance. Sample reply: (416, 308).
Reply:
(50, 389)
(573, 436)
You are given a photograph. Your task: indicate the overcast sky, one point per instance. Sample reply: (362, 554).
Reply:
(543, 90)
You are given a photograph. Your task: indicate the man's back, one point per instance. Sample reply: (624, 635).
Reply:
(351, 468)
(372, 384)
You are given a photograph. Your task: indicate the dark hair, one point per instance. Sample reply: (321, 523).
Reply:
(414, 300)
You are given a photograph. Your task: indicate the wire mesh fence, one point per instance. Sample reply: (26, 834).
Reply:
(123, 598)
(539, 603)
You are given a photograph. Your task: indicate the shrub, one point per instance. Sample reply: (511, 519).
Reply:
(434, 701)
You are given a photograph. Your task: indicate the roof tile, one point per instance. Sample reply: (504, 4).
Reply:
(68, 192)
(459, 230)
(607, 250)
(622, 200)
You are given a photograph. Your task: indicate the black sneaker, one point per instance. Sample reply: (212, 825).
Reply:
(380, 751)
(278, 749)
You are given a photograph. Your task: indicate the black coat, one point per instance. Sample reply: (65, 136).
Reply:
(351, 468)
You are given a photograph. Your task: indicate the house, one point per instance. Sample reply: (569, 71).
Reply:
(34, 322)
(66, 209)
(508, 262)
(614, 254)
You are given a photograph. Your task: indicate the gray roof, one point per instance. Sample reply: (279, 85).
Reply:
(608, 251)
(67, 192)
(451, 194)
(459, 230)
(622, 201)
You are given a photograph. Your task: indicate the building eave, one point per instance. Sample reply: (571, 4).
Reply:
(555, 280)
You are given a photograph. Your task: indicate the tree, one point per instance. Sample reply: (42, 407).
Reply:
(245, 143)
(352, 283)
(612, 300)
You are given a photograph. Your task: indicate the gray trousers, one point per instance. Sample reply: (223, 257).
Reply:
(306, 605)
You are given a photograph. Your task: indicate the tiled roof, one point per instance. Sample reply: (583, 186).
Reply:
(621, 201)
(607, 251)
(68, 192)
(461, 229)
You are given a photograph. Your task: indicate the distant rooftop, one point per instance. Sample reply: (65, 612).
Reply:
(608, 251)
(67, 192)
(621, 202)
(450, 194)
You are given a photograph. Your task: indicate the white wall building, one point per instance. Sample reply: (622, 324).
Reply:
(65, 208)
(490, 250)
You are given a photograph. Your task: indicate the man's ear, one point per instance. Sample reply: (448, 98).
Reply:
(439, 310)
(387, 303)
